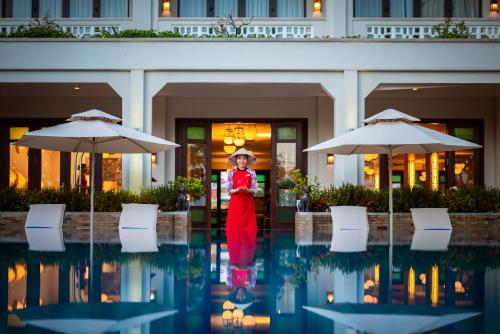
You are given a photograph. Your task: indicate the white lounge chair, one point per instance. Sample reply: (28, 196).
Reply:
(44, 227)
(137, 228)
(432, 229)
(349, 229)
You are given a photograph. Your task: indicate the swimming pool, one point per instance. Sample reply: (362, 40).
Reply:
(195, 286)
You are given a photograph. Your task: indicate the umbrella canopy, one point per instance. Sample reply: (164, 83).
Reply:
(94, 129)
(389, 132)
(392, 129)
(392, 318)
(94, 317)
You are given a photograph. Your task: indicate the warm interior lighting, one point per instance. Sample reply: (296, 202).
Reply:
(369, 299)
(239, 136)
(494, 7)
(166, 8)
(228, 136)
(377, 180)
(423, 279)
(329, 297)
(317, 6)
(459, 168)
(376, 273)
(411, 282)
(434, 285)
(229, 149)
(423, 176)
(459, 288)
(249, 321)
(368, 284)
(263, 135)
(238, 318)
(227, 316)
(330, 159)
(152, 296)
(251, 132)
(411, 170)
(228, 305)
(434, 171)
(154, 158)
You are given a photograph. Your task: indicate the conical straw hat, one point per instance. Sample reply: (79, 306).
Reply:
(251, 158)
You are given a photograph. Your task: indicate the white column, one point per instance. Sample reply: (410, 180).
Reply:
(347, 288)
(141, 13)
(337, 18)
(346, 119)
(497, 143)
(148, 128)
(133, 116)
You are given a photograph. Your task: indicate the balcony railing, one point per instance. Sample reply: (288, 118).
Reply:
(77, 29)
(260, 31)
(413, 29)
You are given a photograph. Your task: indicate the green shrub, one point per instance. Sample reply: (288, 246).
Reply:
(449, 29)
(137, 33)
(12, 199)
(39, 28)
(463, 199)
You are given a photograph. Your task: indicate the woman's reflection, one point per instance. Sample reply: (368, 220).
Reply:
(241, 271)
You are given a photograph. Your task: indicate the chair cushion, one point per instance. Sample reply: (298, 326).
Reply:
(45, 215)
(138, 215)
(349, 217)
(431, 219)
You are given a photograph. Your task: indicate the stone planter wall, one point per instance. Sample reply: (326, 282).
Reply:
(468, 228)
(171, 227)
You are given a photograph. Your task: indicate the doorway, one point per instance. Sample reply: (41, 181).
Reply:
(277, 145)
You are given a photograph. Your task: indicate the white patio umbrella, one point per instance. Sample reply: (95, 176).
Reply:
(94, 131)
(400, 319)
(388, 132)
(93, 317)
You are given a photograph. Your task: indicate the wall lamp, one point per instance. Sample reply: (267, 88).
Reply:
(330, 159)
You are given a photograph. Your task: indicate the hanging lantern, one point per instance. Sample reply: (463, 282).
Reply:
(229, 149)
(251, 132)
(228, 136)
(239, 139)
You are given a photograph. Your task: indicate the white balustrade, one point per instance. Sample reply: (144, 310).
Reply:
(77, 30)
(257, 31)
(401, 31)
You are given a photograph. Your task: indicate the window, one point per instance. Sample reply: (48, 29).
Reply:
(51, 170)
(80, 8)
(25, 9)
(401, 8)
(18, 165)
(291, 8)
(417, 8)
(368, 8)
(226, 7)
(257, 8)
(193, 8)
(114, 8)
(241, 8)
(50, 8)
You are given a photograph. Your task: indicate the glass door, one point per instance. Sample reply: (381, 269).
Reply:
(288, 143)
(193, 158)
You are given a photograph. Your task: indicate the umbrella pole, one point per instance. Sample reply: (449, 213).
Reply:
(91, 269)
(389, 295)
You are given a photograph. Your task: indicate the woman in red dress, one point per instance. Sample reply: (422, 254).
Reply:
(242, 187)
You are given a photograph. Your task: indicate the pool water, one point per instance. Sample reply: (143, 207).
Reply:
(241, 283)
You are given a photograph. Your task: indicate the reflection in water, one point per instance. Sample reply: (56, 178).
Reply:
(241, 271)
(192, 279)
